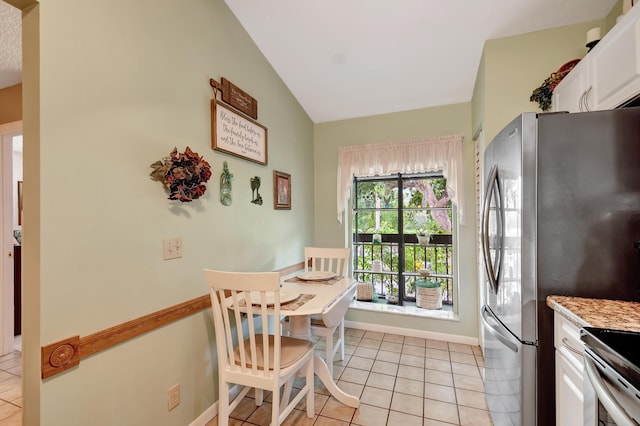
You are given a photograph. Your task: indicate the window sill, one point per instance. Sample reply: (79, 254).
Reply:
(409, 310)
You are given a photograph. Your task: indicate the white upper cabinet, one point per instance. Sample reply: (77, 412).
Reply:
(573, 94)
(609, 75)
(616, 66)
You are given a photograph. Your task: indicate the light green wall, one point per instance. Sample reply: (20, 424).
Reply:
(515, 66)
(616, 11)
(121, 84)
(402, 126)
(509, 70)
(478, 102)
(115, 86)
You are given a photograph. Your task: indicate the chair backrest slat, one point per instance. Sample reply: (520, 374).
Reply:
(327, 259)
(221, 319)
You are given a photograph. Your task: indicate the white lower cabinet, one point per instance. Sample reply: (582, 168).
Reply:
(568, 393)
(569, 373)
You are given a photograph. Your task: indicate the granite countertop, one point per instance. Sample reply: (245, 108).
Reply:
(600, 313)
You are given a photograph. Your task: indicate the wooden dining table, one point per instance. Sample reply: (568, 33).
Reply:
(324, 293)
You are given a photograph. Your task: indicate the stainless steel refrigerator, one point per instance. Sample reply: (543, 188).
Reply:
(561, 214)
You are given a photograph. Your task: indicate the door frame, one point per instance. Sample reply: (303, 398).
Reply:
(7, 132)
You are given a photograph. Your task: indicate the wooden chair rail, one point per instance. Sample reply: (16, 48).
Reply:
(65, 354)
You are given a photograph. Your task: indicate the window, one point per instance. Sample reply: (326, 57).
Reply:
(399, 208)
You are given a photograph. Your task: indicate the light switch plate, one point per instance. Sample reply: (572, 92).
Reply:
(173, 396)
(171, 248)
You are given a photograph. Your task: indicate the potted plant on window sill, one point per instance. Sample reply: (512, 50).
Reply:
(392, 295)
(428, 294)
(423, 237)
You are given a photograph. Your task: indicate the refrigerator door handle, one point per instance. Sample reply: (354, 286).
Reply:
(495, 331)
(493, 274)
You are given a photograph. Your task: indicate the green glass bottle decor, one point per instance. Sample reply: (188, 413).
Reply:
(225, 185)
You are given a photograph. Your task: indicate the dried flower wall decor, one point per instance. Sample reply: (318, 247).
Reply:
(184, 174)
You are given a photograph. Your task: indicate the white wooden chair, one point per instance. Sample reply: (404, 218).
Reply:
(248, 364)
(327, 259)
(334, 260)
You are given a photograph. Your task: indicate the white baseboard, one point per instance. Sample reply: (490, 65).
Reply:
(410, 332)
(211, 412)
(208, 415)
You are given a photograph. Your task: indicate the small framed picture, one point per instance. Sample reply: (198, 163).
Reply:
(281, 190)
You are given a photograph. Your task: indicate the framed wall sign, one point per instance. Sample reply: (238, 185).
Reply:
(281, 191)
(237, 134)
(238, 98)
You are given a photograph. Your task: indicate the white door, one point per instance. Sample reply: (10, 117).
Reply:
(10, 134)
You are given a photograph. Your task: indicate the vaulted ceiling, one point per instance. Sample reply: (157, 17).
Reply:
(346, 59)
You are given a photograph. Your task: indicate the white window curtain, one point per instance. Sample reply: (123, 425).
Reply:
(442, 154)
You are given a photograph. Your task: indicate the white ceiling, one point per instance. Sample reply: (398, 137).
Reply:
(353, 58)
(10, 45)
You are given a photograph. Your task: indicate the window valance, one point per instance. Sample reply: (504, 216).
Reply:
(442, 154)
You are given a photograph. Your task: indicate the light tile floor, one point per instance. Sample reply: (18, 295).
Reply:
(11, 388)
(400, 381)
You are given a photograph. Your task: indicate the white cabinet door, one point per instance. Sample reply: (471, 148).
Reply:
(571, 93)
(609, 75)
(616, 64)
(569, 372)
(569, 404)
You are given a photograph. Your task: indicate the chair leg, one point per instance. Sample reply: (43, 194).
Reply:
(223, 404)
(311, 409)
(329, 351)
(286, 393)
(275, 407)
(259, 395)
(341, 342)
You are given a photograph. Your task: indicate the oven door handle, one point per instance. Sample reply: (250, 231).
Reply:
(604, 395)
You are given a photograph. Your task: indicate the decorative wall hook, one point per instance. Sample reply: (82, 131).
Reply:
(255, 186)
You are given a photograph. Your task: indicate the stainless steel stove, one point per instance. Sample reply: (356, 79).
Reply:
(612, 364)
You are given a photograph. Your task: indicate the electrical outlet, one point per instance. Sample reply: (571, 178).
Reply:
(171, 248)
(173, 396)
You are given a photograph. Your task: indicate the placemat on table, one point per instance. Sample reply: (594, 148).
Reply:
(301, 281)
(291, 305)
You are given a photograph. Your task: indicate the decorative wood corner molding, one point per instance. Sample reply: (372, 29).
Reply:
(60, 356)
(65, 354)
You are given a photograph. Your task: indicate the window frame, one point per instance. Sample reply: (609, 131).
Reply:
(402, 276)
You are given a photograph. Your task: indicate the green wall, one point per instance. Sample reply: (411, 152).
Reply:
(120, 84)
(111, 86)
(514, 66)
(402, 126)
(510, 69)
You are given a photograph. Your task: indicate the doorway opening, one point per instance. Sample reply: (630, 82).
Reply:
(11, 155)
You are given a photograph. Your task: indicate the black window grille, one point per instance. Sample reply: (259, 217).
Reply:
(389, 215)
